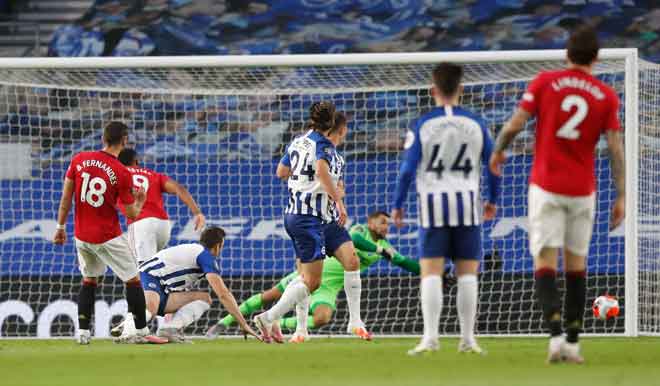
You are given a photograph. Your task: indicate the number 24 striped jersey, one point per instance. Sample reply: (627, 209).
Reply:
(306, 195)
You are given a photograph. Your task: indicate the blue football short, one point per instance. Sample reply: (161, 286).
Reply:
(313, 239)
(456, 243)
(307, 235)
(152, 283)
(335, 236)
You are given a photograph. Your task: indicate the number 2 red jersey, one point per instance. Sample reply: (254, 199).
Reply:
(572, 110)
(154, 184)
(100, 182)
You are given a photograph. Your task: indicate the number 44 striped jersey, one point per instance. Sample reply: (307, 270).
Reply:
(444, 151)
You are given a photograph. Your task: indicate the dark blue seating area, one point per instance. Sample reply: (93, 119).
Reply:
(231, 126)
(219, 27)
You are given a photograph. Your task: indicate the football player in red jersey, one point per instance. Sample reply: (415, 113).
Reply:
(96, 181)
(149, 232)
(572, 108)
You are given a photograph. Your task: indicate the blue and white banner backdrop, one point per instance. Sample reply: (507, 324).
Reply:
(246, 199)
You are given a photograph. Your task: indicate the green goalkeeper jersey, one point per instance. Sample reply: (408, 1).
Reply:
(333, 267)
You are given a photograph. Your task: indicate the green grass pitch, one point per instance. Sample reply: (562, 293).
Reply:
(324, 361)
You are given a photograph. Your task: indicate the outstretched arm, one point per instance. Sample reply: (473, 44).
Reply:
(229, 302)
(361, 243)
(388, 252)
(406, 263)
(412, 266)
(173, 187)
(63, 211)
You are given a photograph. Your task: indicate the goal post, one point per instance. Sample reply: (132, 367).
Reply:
(218, 126)
(631, 131)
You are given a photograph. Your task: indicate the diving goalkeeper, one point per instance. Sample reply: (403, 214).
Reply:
(370, 244)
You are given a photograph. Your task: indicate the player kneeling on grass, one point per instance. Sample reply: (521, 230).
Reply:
(167, 279)
(371, 245)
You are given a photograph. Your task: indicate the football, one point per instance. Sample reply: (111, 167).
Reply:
(605, 307)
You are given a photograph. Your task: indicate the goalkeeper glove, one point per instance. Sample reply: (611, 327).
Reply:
(388, 253)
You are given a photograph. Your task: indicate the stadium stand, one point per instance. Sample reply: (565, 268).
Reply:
(185, 27)
(112, 27)
(25, 26)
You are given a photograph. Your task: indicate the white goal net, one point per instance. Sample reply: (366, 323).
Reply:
(219, 127)
(647, 189)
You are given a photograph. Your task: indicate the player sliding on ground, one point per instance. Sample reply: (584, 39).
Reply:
(572, 109)
(444, 150)
(315, 217)
(96, 181)
(169, 277)
(371, 245)
(149, 232)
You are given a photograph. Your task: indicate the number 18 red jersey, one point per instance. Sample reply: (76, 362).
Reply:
(100, 181)
(572, 110)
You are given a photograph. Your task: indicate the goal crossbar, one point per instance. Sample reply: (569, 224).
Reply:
(303, 60)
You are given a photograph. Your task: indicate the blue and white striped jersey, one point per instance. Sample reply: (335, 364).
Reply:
(306, 196)
(444, 151)
(181, 266)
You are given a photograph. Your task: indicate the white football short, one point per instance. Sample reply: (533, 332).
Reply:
(148, 236)
(559, 221)
(93, 259)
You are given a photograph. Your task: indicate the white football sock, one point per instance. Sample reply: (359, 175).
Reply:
(188, 314)
(353, 289)
(466, 305)
(297, 279)
(302, 312)
(431, 295)
(293, 294)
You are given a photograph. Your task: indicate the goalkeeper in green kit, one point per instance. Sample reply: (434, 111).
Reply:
(370, 245)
